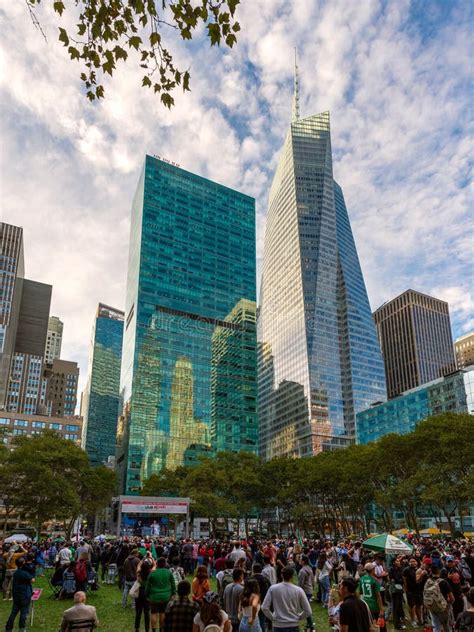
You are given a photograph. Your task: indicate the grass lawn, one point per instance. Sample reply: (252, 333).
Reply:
(112, 617)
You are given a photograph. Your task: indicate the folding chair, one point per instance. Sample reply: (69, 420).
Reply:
(56, 589)
(83, 624)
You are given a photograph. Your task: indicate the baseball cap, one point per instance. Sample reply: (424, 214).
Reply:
(427, 560)
(449, 558)
(370, 566)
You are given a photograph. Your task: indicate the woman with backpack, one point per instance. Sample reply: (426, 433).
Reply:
(81, 572)
(200, 585)
(211, 618)
(250, 607)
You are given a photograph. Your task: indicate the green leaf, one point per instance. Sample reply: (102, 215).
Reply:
(99, 91)
(59, 7)
(146, 81)
(63, 37)
(186, 77)
(236, 27)
(134, 42)
(73, 52)
(167, 100)
(155, 38)
(120, 53)
(214, 33)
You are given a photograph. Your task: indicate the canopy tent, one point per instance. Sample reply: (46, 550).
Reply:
(387, 543)
(399, 532)
(434, 531)
(17, 537)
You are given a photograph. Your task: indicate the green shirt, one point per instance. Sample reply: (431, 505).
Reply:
(369, 588)
(160, 585)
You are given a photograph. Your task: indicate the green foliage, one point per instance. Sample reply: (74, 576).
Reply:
(428, 470)
(107, 28)
(46, 477)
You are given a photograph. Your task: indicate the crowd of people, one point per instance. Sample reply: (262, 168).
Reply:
(253, 585)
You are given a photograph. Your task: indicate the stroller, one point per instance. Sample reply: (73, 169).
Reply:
(112, 572)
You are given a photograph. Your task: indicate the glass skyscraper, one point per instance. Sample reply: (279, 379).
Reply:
(189, 359)
(319, 357)
(101, 398)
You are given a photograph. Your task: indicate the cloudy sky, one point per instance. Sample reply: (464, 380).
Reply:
(394, 74)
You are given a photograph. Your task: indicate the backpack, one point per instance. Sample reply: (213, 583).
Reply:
(226, 580)
(81, 571)
(212, 627)
(433, 598)
(465, 570)
(177, 574)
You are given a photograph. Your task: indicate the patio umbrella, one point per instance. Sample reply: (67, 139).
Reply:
(17, 537)
(399, 532)
(387, 543)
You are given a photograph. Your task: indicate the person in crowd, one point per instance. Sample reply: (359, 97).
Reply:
(130, 567)
(159, 589)
(82, 572)
(325, 568)
(211, 615)
(223, 578)
(438, 599)
(396, 593)
(200, 585)
(414, 592)
(83, 548)
(65, 554)
(231, 598)
(180, 612)
(286, 604)
(306, 582)
(21, 595)
(453, 575)
(250, 607)
(268, 570)
(465, 620)
(370, 592)
(142, 606)
(263, 585)
(79, 612)
(15, 552)
(353, 612)
(238, 553)
(69, 581)
(176, 569)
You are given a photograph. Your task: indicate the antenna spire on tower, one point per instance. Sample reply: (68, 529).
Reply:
(296, 95)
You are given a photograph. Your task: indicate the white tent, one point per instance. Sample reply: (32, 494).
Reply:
(17, 537)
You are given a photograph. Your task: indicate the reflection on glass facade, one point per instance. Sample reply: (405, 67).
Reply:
(319, 358)
(189, 362)
(453, 393)
(100, 405)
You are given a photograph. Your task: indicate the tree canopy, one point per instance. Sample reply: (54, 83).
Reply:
(47, 477)
(429, 472)
(108, 31)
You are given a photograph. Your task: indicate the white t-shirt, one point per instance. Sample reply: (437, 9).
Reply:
(65, 555)
(198, 622)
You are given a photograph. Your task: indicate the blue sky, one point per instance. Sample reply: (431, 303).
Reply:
(395, 75)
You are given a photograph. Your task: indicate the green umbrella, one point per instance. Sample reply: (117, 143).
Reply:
(387, 543)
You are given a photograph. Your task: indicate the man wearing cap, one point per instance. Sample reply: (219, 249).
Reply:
(455, 579)
(370, 592)
(180, 612)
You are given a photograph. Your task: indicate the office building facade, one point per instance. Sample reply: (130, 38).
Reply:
(59, 390)
(100, 404)
(453, 393)
(189, 353)
(12, 271)
(319, 358)
(464, 350)
(54, 339)
(16, 424)
(414, 331)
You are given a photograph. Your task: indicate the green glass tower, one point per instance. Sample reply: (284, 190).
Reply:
(101, 397)
(189, 370)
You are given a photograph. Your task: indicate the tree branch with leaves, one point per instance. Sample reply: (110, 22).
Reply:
(107, 31)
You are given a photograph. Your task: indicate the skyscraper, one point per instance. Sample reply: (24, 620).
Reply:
(101, 397)
(319, 358)
(54, 339)
(415, 336)
(191, 275)
(464, 350)
(12, 271)
(59, 396)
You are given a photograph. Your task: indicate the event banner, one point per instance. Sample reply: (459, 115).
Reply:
(147, 507)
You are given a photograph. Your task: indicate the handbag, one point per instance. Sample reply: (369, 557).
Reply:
(373, 625)
(135, 590)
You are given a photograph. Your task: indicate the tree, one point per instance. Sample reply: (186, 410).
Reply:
(48, 477)
(166, 483)
(107, 31)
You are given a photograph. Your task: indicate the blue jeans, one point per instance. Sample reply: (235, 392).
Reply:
(263, 620)
(325, 587)
(21, 607)
(126, 589)
(438, 624)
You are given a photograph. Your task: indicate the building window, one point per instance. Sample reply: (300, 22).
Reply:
(21, 422)
(38, 424)
(56, 426)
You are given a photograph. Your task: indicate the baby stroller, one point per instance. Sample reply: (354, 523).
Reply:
(112, 572)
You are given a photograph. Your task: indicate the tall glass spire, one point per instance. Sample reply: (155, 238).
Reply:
(319, 357)
(296, 94)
